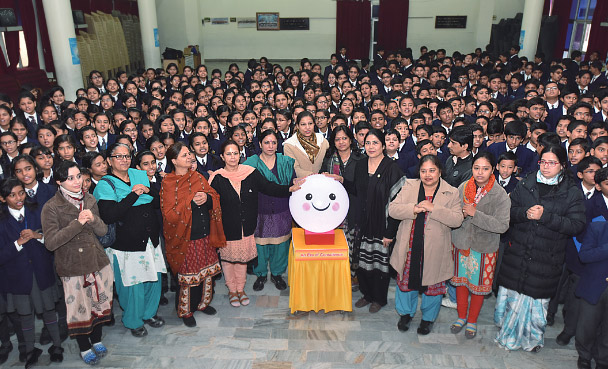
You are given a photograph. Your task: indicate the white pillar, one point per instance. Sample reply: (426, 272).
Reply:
(62, 35)
(149, 33)
(530, 27)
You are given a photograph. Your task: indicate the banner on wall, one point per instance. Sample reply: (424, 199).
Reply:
(246, 22)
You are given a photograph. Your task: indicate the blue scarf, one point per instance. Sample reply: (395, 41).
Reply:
(540, 178)
(103, 190)
(284, 168)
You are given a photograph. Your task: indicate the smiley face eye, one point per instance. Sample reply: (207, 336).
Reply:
(332, 196)
(308, 196)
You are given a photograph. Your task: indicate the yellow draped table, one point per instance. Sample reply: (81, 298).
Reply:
(319, 275)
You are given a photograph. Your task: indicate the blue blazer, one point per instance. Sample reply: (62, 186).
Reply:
(18, 268)
(526, 159)
(44, 193)
(553, 115)
(213, 163)
(512, 182)
(111, 140)
(594, 255)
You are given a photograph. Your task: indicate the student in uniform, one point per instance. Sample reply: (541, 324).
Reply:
(27, 273)
(24, 167)
(592, 330)
(506, 168)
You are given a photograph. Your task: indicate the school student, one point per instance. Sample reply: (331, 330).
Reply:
(505, 171)
(27, 274)
(515, 132)
(592, 327)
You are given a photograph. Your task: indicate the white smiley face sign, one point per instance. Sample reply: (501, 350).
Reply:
(320, 205)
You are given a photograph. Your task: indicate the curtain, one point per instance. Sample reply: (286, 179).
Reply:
(353, 27)
(561, 8)
(44, 34)
(392, 24)
(598, 37)
(28, 22)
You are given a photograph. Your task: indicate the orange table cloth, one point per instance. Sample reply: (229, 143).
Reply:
(319, 275)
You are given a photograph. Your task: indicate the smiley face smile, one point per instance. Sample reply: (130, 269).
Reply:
(317, 209)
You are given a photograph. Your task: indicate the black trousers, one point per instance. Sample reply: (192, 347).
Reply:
(571, 306)
(559, 297)
(373, 285)
(592, 330)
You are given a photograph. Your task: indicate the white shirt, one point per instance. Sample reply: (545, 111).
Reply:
(17, 214)
(586, 192)
(101, 139)
(28, 116)
(35, 189)
(504, 182)
(394, 157)
(509, 149)
(530, 147)
(202, 160)
(553, 106)
(162, 164)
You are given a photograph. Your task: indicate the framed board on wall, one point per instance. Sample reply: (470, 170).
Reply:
(295, 24)
(267, 21)
(451, 21)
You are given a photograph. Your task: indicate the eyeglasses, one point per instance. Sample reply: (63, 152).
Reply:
(121, 157)
(7, 143)
(548, 163)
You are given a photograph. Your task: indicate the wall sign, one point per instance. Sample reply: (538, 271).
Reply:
(451, 21)
(295, 24)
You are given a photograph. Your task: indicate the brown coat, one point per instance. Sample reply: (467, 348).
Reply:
(303, 166)
(76, 247)
(446, 214)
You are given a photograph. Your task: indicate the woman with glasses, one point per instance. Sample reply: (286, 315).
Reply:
(126, 199)
(547, 210)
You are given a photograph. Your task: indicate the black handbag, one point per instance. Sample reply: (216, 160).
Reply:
(109, 238)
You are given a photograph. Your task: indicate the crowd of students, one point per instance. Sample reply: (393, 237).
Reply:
(466, 174)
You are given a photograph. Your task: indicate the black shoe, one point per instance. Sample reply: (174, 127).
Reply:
(550, 319)
(563, 339)
(425, 327)
(22, 353)
(45, 337)
(583, 363)
(258, 285)
(155, 321)
(278, 281)
(32, 357)
(4, 351)
(56, 353)
(189, 322)
(536, 349)
(209, 310)
(139, 332)
(404, 323)
(163, 301)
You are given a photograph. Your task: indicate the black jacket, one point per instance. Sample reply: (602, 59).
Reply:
(134, 224)
(532, 263)
(240, 215)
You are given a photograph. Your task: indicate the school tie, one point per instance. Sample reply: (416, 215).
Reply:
(160, 167)
(502, 183)
(32, 121)
(31, 193)
(21, 218)
(588, 195)
(103, 143)
(204, 162)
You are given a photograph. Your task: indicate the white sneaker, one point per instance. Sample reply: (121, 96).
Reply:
(448, 303)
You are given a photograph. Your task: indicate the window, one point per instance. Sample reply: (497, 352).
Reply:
(23, 58)
(579, 27)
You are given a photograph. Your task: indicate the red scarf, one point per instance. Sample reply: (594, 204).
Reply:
(473, 195)
(176, 195)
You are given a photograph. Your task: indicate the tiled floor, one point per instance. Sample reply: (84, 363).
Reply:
(264, 335)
